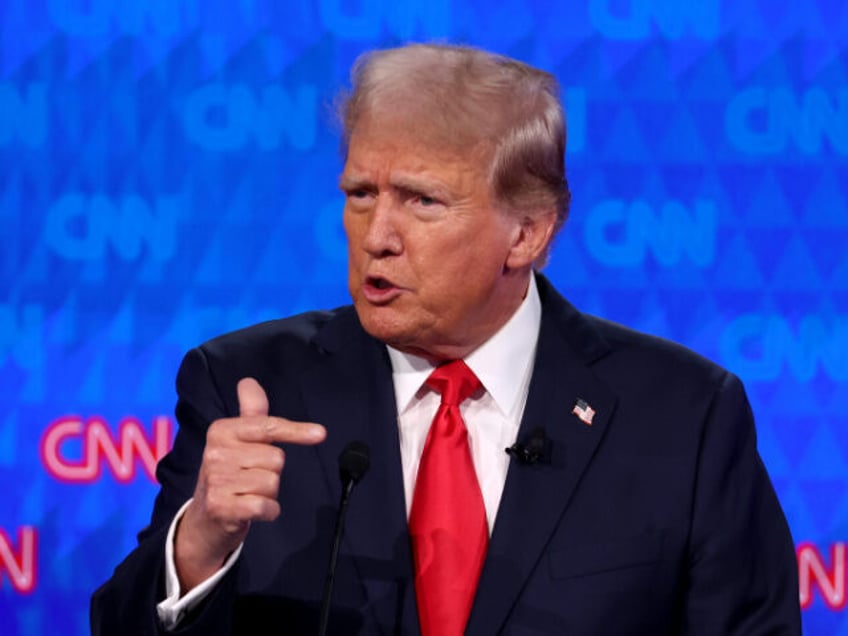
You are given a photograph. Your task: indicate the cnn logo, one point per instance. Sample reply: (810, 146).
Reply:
(97, 445)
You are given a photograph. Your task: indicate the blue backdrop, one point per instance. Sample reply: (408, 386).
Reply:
(168, 170)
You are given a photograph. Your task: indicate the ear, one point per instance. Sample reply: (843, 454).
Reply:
(532, 235)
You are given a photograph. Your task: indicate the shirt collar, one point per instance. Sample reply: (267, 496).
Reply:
(500, 363)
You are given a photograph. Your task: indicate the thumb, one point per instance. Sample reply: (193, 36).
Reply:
(251, 398)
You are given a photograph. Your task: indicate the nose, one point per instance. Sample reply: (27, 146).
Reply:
(382, 237)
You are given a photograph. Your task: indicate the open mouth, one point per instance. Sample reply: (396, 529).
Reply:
(380, 290)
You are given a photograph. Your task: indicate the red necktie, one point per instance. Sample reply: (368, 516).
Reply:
(448, 519)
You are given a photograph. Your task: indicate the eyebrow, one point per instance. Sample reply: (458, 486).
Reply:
(352, 182)
(417, 184)
(409, 183)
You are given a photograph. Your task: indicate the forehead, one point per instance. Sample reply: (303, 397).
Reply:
(415, 145)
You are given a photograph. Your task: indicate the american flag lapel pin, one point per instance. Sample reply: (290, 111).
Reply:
(583, 411)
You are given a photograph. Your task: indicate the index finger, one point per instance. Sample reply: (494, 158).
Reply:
(270, 429)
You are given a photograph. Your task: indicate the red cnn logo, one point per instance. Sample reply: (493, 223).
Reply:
(99, 443)
(812, 572)
(20, 565)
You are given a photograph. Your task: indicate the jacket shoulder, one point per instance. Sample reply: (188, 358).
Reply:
(617, 351)
(282, 335)
(651, 359)
(272, 352)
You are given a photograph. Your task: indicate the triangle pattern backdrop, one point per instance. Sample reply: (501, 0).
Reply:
(168, 171)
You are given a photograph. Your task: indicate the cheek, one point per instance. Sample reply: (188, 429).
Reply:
(353, 233)
(456, 258)
(348, 223)
(452, 279)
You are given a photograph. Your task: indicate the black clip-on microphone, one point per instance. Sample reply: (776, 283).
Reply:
(354, 462)
(536, 448)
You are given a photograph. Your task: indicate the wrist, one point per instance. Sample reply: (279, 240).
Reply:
(197, 555)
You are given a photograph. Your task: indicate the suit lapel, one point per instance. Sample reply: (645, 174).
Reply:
(536, 496)
(350, 389)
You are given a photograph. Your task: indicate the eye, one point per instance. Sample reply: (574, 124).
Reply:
(423, 200)
(358, 196)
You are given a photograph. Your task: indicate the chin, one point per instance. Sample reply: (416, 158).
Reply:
(409, 339)
(380, 324)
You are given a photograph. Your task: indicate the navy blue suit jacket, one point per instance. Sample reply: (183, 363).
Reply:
(658, 518)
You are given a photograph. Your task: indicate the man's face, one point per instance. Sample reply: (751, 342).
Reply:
(430, 258)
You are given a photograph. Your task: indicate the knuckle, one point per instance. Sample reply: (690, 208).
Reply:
(278, 458)
(268, 427)
(216, 432)
(213, 455)
(252, 507)
(234, 527)
(273, 483)
(215, 506)
(270, 510)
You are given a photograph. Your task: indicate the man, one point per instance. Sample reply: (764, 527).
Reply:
(635, 503)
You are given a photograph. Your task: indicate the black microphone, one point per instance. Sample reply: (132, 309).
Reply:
(535, 448)
(354, 462)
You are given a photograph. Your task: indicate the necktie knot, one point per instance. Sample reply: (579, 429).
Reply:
(454, 381)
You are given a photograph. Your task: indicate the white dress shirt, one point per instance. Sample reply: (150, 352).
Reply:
(503, 364)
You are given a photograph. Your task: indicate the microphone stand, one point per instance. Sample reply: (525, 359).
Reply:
(354, 462)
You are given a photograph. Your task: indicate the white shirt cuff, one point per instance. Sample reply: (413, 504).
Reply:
(173, 609)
